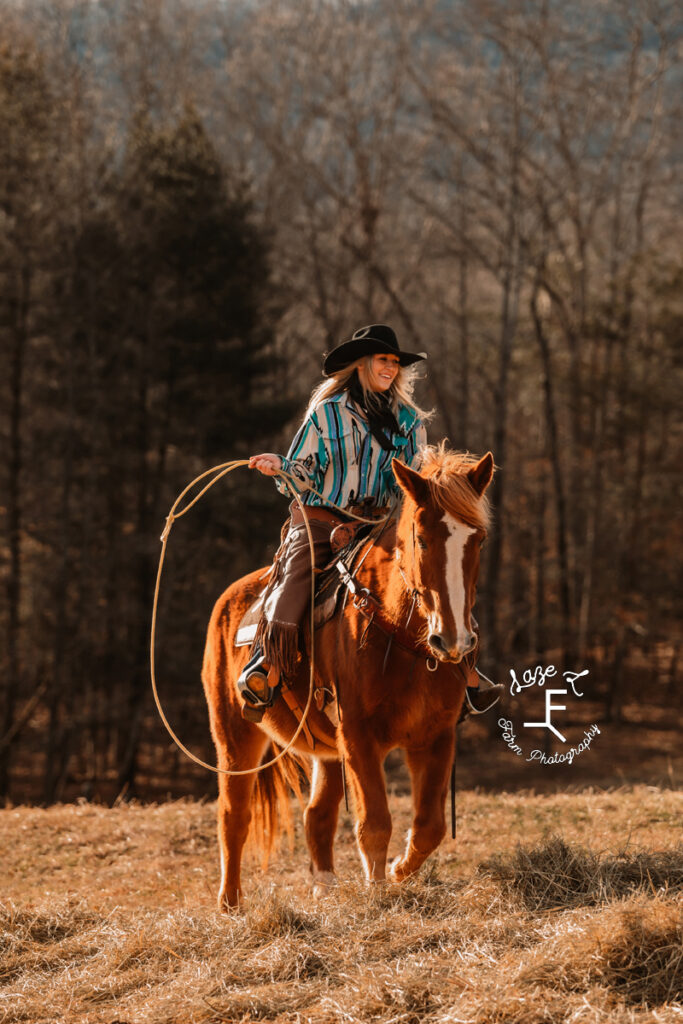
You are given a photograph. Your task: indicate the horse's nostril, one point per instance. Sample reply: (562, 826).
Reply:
(436, 642)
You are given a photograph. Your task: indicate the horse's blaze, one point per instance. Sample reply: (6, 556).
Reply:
(458, 568)
(450, 579)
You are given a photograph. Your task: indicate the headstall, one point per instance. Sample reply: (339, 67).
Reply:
(363, 599)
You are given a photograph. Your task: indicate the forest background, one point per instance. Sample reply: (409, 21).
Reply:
(196, 201)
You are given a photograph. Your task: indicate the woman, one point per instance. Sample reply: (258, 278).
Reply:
(358, 420)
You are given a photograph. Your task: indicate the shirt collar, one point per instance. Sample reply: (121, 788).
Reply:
(406, 417)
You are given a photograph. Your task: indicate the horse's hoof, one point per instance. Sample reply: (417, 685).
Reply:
(323, 883)
(234, 905)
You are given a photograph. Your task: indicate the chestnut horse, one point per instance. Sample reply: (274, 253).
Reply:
(423, 574)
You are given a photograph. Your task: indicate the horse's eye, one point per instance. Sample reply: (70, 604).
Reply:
(422, 542)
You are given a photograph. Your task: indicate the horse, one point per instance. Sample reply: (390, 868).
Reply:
(395, 660)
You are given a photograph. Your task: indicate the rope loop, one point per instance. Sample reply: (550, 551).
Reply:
(217, 473)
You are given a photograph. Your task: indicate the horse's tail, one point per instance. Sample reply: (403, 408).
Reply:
(271, 809)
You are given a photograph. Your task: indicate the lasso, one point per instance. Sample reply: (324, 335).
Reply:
(217, 473)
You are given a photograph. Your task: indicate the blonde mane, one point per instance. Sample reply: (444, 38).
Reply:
(446, 473)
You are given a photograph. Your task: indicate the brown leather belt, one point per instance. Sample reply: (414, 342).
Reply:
(316, 513)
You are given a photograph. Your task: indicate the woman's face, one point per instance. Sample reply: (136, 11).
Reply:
(382, 371)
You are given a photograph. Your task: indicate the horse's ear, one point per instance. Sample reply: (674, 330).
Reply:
(481, 475)
(411, 482)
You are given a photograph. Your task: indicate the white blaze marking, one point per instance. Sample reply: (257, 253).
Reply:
(455, 575)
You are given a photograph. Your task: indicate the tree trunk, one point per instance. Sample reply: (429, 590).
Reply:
(509, 314)
(14, 518)
(62, 691)
(463, 323)
(558, 482)
(128, 763)
(537, 639)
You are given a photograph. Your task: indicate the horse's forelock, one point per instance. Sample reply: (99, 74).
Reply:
(446, 472)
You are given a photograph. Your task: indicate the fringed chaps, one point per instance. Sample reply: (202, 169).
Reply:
(289, 593)
(280, 644)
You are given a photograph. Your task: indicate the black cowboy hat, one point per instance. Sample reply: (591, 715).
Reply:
(366, 341)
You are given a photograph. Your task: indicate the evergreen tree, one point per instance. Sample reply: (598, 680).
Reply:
(197, 327)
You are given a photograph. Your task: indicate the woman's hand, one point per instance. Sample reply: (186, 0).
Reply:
(267, 463)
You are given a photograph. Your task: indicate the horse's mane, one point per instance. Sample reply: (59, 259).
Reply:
(446, 473)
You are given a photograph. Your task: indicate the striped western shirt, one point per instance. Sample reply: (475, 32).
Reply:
(335, 453)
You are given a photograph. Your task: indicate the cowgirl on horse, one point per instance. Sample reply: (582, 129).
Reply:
(359, 419)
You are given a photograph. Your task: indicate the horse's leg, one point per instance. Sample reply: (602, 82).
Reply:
(430, 771)
(235, 794)
(320, 818)
(373, 821)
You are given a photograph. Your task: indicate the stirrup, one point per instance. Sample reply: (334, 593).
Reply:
(256, 701)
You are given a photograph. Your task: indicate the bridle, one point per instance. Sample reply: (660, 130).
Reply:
(365, 602)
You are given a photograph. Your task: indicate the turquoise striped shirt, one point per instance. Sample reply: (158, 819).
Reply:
(335, 453)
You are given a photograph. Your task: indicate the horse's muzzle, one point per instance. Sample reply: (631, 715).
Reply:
(454, 653)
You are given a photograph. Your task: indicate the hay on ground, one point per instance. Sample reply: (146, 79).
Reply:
(559, 875)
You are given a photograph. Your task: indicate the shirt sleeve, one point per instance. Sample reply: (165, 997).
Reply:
(307, 458)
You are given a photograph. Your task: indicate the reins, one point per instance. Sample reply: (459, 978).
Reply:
(216, 474)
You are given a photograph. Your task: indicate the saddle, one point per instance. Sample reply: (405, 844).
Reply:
(349, 541)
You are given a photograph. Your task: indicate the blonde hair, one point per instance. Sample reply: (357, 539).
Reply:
(401, 390)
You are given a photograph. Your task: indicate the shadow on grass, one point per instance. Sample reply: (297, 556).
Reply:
(556, 875)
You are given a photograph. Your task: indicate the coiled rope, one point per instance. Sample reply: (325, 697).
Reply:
(216, 474)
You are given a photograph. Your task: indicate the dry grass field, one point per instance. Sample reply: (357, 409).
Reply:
(549, 908)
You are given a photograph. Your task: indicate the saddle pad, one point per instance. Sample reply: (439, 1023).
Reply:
(328, 587)
(250, 620)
